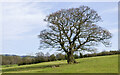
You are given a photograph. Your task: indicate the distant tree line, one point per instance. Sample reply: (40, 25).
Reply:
(41, 57)
(103, 53)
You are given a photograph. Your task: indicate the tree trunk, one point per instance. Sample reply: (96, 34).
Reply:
(70, 58)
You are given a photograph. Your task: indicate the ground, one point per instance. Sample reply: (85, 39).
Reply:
(99, 64)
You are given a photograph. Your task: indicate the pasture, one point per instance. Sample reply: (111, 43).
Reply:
(99, 64)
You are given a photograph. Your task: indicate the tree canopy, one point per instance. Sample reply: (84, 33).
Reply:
(74, 29)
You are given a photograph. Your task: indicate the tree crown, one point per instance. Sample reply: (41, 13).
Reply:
(74, 29)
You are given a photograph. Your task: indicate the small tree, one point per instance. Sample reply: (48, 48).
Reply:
(76, 56)
(73, 29)
(60, 56)
(52, 57)
(81, 56)
(40, 57)
(47, 54)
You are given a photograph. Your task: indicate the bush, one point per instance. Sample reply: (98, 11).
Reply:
(76, 56)
(60, 56)
(52, 57)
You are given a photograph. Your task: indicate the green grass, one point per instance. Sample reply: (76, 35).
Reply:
(101, 64)
(4, 66)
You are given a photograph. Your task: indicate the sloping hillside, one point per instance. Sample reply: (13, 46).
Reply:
(101, 64)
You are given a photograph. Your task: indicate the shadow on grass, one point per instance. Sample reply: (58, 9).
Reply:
(32, 67)
(37, 67)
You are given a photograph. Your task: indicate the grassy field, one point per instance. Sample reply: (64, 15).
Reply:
(100, 64)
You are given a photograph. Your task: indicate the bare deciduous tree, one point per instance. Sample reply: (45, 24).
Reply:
(74, 29)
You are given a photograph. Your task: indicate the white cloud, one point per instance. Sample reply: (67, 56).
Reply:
(21, 18)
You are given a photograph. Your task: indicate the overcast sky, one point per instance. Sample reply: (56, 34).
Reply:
(23, 21)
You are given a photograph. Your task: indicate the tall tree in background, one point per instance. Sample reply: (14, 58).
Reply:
(74, 29)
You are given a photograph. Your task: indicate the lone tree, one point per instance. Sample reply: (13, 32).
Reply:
(74, 29)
